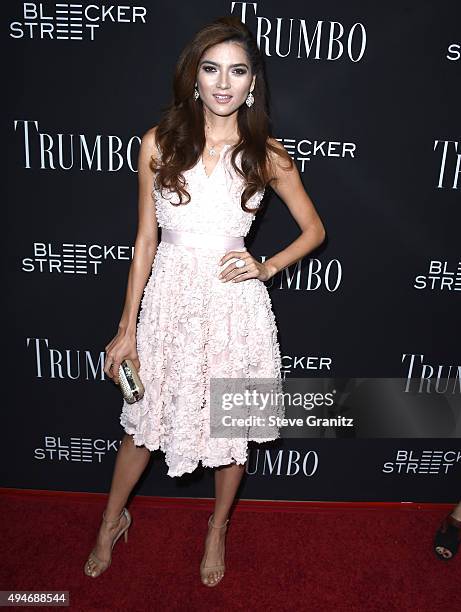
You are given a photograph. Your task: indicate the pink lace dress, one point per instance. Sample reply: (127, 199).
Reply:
(193, 327)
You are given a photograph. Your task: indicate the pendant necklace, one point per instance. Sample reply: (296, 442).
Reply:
(211, 150)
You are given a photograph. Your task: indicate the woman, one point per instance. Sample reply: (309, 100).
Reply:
(210, 159)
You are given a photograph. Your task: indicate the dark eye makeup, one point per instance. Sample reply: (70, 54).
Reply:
(239, 71)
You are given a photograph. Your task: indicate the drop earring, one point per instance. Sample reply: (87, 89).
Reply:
(250, 100)
(196, 93)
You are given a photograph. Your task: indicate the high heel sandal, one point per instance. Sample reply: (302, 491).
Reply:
(448, 536)
(206, 570)
(102, 566)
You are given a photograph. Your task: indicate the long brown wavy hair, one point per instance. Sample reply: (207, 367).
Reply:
(180, 133)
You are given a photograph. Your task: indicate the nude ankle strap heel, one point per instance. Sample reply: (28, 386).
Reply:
(100, 566)
(211, 523)
(125, 513)
(206, 570)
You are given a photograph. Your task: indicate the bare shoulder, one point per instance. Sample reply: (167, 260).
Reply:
(280, 163)
(149, 142)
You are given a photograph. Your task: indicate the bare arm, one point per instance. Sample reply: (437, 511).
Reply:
(146, 239)
(123, 345)
(288, 186)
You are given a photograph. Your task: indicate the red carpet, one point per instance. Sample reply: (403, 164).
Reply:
(280, 556)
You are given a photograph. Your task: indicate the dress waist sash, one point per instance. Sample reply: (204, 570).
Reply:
(198, 240)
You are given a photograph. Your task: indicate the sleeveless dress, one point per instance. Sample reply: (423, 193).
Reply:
(192, 326)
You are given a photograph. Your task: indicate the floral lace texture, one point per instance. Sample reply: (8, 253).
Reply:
(193, 327)
(215, 201)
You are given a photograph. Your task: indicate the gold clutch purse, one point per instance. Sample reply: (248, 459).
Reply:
(130, 383)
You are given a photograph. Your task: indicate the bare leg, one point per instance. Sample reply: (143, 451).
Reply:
(227, 481)
(456, 513)
(130, 463)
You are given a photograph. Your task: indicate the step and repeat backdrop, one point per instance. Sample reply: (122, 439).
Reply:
(365, 98)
